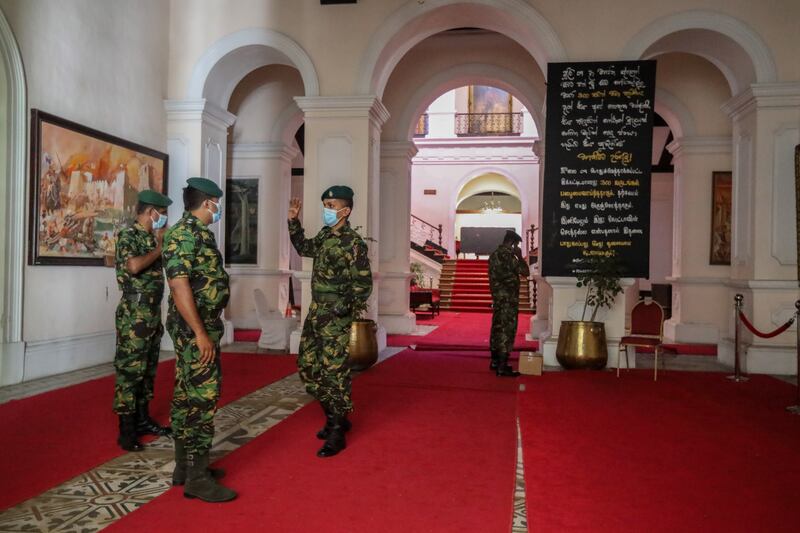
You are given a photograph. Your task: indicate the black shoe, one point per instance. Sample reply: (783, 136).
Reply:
(200, 484)
(127, 434)
(146, 425)
(504, 370)
(335, 441)
(180, 471)
(323, 433)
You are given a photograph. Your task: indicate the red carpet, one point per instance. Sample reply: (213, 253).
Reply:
(417, 460)
(246, 335)
(464, 332)
(692, 452)
(52, 437)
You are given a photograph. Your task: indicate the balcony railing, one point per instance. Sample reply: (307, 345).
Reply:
(478, 124)
(422, 126)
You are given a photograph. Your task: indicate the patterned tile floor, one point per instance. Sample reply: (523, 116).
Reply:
(101, 496)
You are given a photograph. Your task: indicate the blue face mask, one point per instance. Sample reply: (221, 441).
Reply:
(215, 216)
(329, 217)
(161, 222)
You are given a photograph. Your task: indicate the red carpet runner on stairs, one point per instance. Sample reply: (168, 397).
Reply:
(692, 452)
(52, 437)
(416, 460)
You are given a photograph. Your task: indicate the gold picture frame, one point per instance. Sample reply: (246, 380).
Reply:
(721, 208)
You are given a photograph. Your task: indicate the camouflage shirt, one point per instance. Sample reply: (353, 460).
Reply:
(135, 241)
(190, 251)
(341, 264)
(505, 268)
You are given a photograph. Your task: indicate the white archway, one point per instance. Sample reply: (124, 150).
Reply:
(415, 21)
(475, 174)
(728, 43)
(13, 173)
(675, 114)
(459, 76)
(225, 63)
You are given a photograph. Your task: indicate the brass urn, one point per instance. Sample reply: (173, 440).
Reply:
(363, 347)
(582, 345)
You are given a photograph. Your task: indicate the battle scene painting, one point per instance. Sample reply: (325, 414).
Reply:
(84, 189)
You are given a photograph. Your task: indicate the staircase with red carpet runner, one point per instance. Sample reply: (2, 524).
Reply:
(692, 452)
(416, 460)
(52, 437)
(464, 285)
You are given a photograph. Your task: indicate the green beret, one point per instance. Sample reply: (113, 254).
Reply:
(205, 185)
(338, 192)
(151, 197)
(512, 235)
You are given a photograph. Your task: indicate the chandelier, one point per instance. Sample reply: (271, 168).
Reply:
(490, 207)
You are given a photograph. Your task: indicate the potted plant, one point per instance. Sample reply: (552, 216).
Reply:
(363, 345)
(582, 343)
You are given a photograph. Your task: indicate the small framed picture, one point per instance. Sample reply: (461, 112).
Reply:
(721, 207)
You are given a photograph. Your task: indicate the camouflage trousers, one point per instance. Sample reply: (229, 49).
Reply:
(322, 362)
(139, 333)
(197, 389)
(505, 307)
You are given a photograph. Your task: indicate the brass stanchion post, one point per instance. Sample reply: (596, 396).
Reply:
(737, 369)
(795, 409)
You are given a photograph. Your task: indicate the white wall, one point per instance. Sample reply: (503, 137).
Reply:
(102, 64)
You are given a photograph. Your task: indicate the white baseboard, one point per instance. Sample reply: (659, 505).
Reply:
(398, 324)
(776, 360)
(57, 356)
(12, 363)
(689, 332)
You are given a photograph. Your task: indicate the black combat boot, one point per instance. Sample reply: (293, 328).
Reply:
(127, 434)
(334, 442)
(200, 484)
(493, 363)
(322, 434)
(504, 370)
(146, 425)
(179, 474)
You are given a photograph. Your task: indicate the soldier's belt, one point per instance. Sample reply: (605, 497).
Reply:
(142, 297)
(326, 297)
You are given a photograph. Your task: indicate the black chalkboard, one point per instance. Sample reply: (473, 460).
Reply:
(598, 153)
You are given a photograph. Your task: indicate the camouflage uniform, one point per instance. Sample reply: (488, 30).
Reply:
(505, 268)
(341, 278)
(138, 321)
(190, 251)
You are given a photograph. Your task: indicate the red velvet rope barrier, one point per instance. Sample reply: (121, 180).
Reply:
(769, 335)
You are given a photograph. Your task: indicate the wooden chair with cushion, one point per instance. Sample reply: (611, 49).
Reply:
(647, 331)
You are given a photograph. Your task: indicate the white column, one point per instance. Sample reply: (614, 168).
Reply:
(270, 164)
(540, 322)
(442, 116)
(699, 310)
(197, 141)
(342, 147)
(766, 128)
(395, 237)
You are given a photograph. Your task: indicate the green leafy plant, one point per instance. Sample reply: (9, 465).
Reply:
(601, 277)
(419, 275)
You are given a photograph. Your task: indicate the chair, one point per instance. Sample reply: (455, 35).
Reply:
(647, 331)
(275, 328)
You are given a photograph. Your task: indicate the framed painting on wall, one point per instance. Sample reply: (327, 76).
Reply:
(84, 188)
(241, 221)
(483, 99)
(721, 207)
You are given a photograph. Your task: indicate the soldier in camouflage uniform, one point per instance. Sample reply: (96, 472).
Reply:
(506, 265)
(199, 291)
(138, 319)
(341, 282)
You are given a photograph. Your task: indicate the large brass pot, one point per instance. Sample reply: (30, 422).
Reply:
(582, 345)
(363, 347)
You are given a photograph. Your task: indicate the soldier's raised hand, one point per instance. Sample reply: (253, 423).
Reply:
(294, 208)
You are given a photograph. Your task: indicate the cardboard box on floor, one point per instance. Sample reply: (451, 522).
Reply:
(531, 363)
